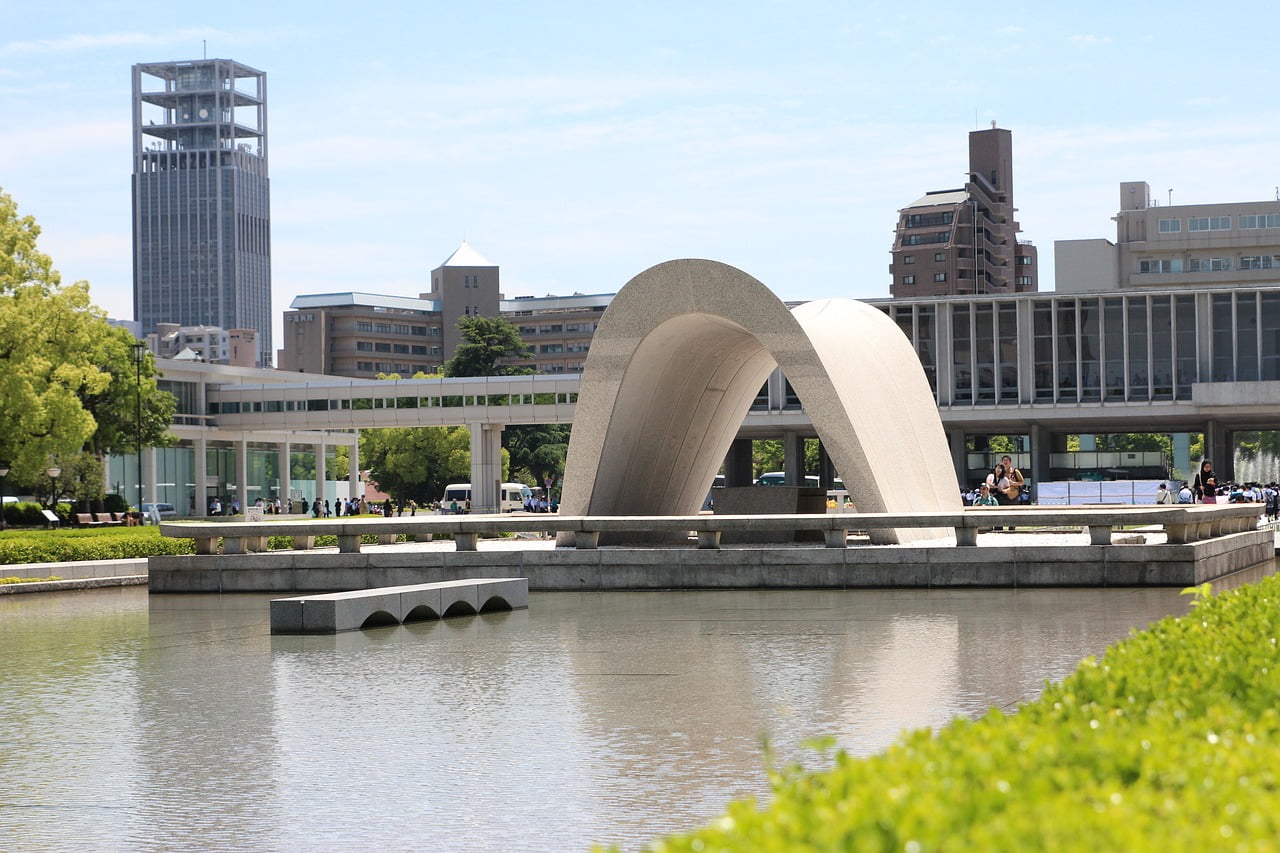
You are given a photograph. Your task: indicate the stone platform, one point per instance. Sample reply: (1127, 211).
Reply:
(1135, 558)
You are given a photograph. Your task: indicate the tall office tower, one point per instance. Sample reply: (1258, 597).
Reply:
(965, 240)
(201, 197)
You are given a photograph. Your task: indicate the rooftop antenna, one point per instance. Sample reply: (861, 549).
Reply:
(993, 124)
(204, 48)
(1171, 196)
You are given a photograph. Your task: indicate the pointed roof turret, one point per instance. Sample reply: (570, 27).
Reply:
(465, 256)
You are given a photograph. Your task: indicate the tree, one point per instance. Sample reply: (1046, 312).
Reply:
(486, 342)
(537, 451)
(65, 373)
(416, 462)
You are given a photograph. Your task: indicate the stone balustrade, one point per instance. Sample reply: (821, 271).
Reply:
(1182, 524)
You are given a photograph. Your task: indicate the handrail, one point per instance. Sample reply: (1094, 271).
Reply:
(1183, 524)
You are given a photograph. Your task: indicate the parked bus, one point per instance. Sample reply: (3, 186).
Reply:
(511, 498)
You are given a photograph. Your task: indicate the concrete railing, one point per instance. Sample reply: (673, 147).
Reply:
(1182, 524)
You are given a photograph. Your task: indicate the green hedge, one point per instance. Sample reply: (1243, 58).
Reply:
(1170, 742)
(59, 546)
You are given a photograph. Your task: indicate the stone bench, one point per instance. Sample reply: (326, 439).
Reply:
(1183, 524)
(332, 612)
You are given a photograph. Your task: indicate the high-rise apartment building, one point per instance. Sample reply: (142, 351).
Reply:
(964, 241)
(201, 197)
(1174, 246)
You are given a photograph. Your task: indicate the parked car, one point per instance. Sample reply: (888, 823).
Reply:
(165, 511)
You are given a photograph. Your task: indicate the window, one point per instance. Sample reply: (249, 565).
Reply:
(1261, 220)
(403, 349)
(547, 348)
(1219, 264)
(1259, 262)
(418, 349)
(939, 276)
(908, 279)
(922, 239)
(364, 346)
(1022, 281)
(382, 328)
(400, 329)
(1209, 223)
(551, 330)
(1160, 265)
(379, 347)
(1170, 226)
(908, 259)
(1024, 260)
(528, 330)
(939, 256)
(420, 331)
(925, 220)
(364, 365)
(364, 326)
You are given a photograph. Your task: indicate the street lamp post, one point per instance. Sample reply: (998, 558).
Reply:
(4, 472)
(54, 473)
(139, 355)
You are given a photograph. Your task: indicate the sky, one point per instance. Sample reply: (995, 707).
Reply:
(576, 144)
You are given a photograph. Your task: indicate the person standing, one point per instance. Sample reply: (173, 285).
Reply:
(1206, 483)
(1016, 481)
(1163, 495)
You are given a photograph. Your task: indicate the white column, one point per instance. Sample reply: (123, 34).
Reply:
(486, 466)
(201, 473)
(284, 467)
(149, 489)
(242, 471)
(320, 472)
(353, 468)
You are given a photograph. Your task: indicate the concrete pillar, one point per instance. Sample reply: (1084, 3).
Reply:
(959, 456)
(321, 473)
(1181, 461)
(793, 458)
(242, 471)
(201, 468)
(737, 464)
(284, 466)
(1218, 449)
(486, 466)
(826, 471)
(149, 478)
(1041, 446)
(353, 468)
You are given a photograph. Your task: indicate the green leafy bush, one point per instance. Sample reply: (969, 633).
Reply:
(23, 514)
(115, 543)
(13, 580)
(1171, 741)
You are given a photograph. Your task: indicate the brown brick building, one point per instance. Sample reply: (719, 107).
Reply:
(964, 241)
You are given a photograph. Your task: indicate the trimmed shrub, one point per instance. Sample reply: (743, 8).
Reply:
(65, 546)
(24, 514)
(1171, 741)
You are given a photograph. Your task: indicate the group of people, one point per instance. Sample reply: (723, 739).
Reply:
(532, 504)
(1206, 488)
(1004, 486)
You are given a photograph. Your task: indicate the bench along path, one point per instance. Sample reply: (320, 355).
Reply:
(388, 605)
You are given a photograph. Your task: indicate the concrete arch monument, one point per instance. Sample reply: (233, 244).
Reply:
(677, 361)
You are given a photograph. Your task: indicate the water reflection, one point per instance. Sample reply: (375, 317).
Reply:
(181, 721)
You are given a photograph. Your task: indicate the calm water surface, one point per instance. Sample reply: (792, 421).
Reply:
(158, 722)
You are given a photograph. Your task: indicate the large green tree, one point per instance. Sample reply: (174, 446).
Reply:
(536, 451)
(63, 369)
(416, 463)
(486, 341)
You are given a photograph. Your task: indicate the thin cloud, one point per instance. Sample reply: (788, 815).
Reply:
(1090, 40)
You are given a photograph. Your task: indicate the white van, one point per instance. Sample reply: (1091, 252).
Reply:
(512, 497)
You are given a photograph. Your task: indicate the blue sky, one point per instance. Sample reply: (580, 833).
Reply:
(576, 144)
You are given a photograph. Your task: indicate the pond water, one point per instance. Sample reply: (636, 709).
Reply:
(154, 722)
